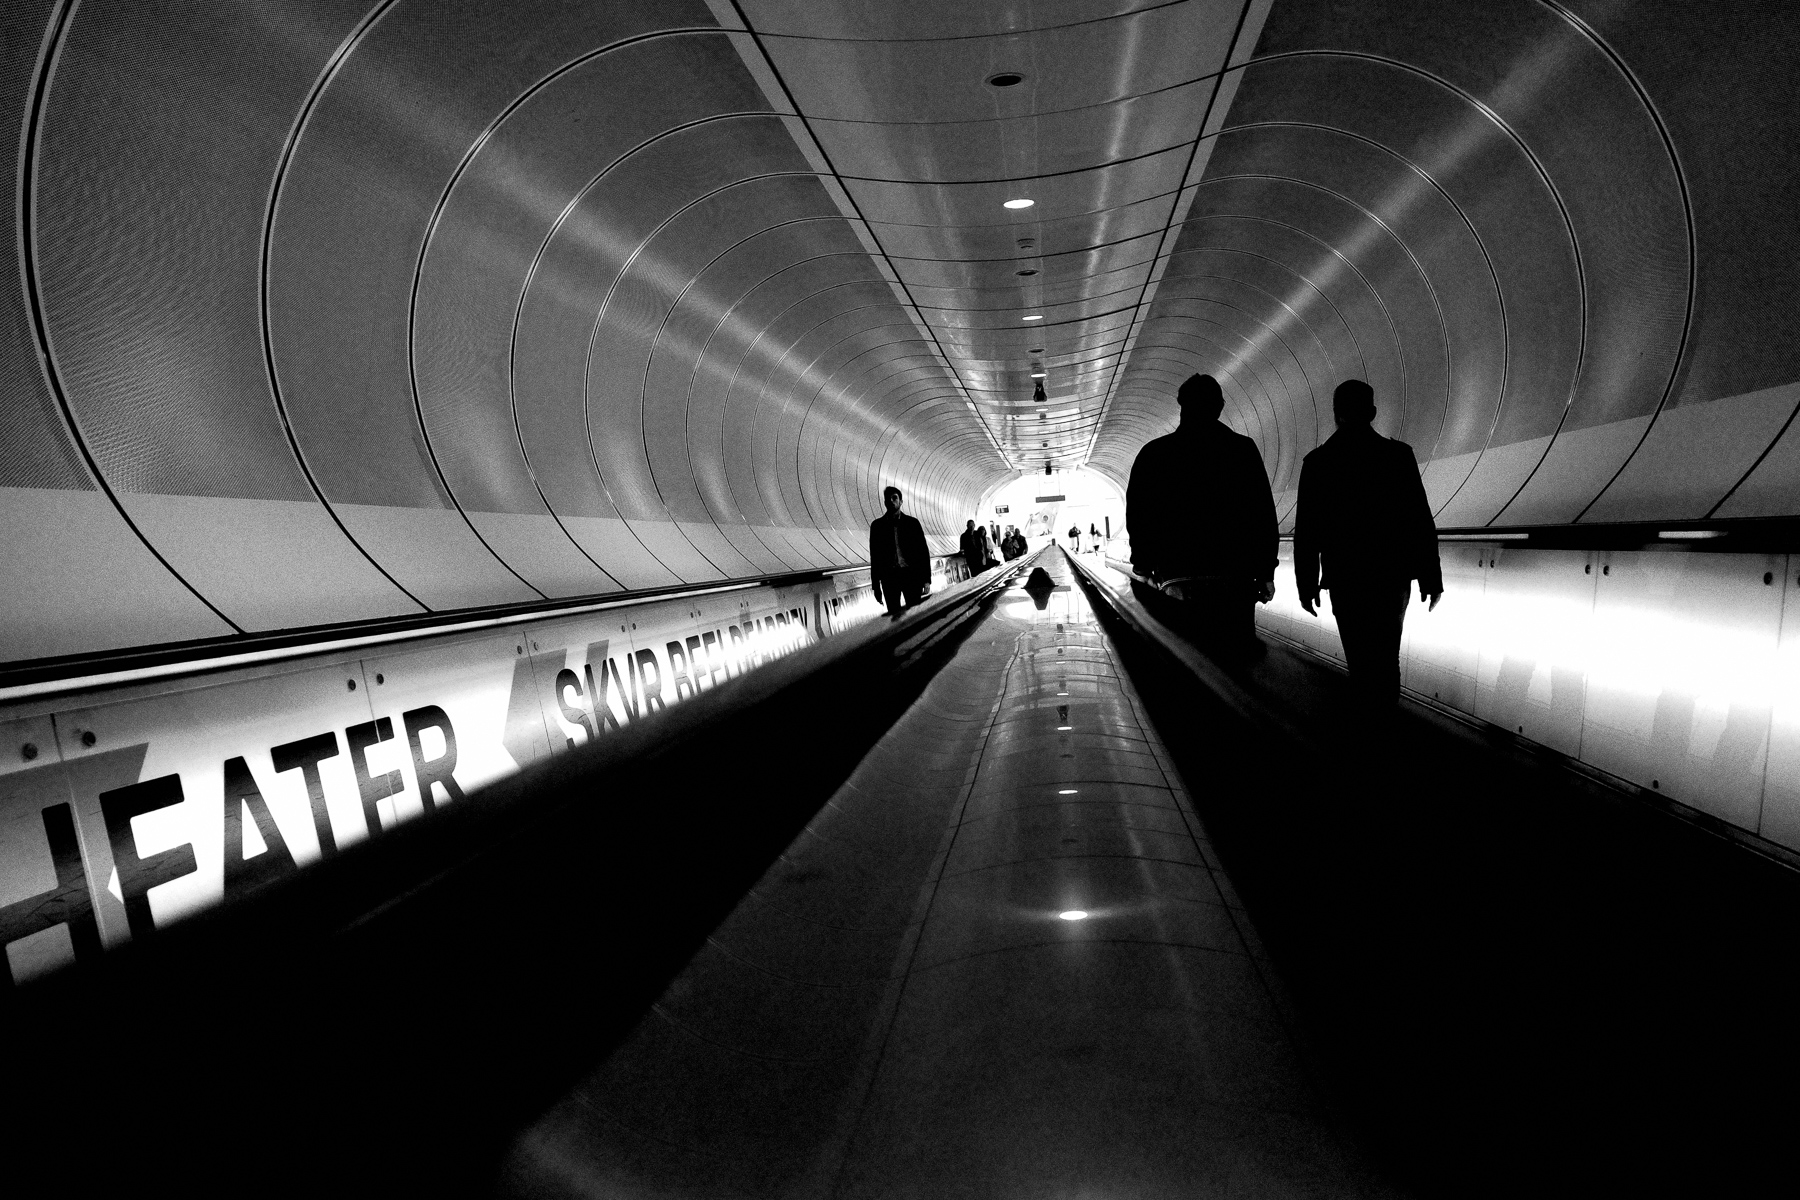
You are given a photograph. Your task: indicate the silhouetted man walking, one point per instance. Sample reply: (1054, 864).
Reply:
(1202, 519)
(1364, 518)
(899, 562)
(971, 548)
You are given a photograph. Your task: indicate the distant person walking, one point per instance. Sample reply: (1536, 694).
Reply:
(899, 561)
(987, 551)
(1075, 539)
(970, 546)
(1093, 539)
(1202, 519)
(1363, 519)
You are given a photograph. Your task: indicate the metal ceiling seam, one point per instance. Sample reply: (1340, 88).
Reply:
(1475, 234)
(1124, 291)
(1324, 296)
(1127, 98)
(512, 350)
(1237, 55)
(656, 340)
(606, 302)
(749, 46)
(738, 370)
(1185, 144)
(1374, 292)
(412, 305)
(43, 71)
(612, 291)
(972, 37)
(1693, 273)
(1272, 331)
(763, 388)
(823, 351)
(1555, 194)
(1418, 267)
(1278, 302)
(265, 330)
(1136, 237)
(1229, 371)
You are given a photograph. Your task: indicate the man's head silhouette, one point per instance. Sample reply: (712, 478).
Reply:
(1200, 398)
(1353, 403)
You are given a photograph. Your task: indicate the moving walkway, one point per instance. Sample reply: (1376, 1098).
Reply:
(1018, 893)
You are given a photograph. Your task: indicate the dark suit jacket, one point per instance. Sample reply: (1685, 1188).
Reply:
(1198, 504)
(972, 552)
(1363, 516)
(883, 570)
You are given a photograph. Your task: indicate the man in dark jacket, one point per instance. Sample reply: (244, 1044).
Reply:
(899, 562)
(1364, 518)
(971, 548)
(1202, 518)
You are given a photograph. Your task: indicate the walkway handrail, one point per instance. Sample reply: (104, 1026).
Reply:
(1148, 626)
(447, 977)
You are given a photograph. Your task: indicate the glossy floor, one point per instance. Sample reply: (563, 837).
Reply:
(1003, 961)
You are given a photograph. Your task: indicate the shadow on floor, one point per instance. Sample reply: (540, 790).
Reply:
(1518, 984)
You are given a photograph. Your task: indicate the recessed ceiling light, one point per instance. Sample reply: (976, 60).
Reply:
(1037, 374)
(1067, 791)
(1006, 79)
(1024, 272)
(1074, 914)
(1033, 317)
(1037, 349)
(1018, 203)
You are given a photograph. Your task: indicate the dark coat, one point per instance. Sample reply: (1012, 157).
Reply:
(1363, 516)
(1199, 504)
(911, 535)
(972, 551)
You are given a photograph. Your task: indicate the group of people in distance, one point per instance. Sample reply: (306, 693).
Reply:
(1093, 539)
(978, 548)
(1204, 532)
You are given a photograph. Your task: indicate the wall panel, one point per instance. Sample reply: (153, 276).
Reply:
(1670, 669)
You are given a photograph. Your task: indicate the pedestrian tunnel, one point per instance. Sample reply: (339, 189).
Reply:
(439, 445)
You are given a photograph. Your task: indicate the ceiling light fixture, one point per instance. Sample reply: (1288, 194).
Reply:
(1024, 272)
(1033, 317)
(1037, 374)
(1020, 203)
(1006, 79)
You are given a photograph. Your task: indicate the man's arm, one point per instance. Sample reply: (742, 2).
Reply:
(1306, 548)
(917, 552)
(1427, 567)
(874, 563)
(1266, 524)
(1140, 506)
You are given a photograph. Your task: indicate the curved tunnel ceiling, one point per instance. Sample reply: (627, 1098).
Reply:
(333, 312)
